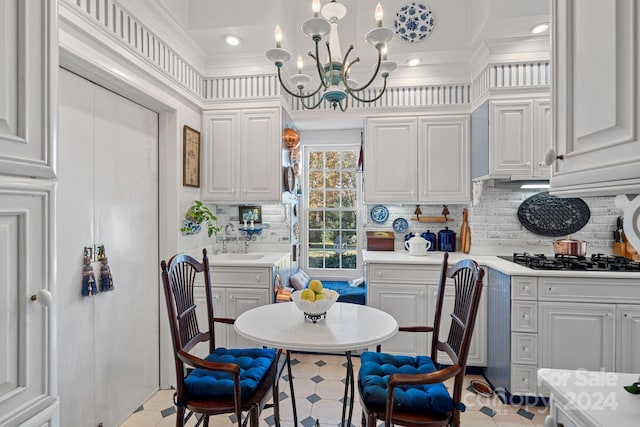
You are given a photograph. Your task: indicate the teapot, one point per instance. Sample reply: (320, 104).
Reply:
(417, 245)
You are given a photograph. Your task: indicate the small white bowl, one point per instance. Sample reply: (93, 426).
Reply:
(315, 308)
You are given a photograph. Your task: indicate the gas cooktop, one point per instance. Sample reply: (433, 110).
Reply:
(596, 262)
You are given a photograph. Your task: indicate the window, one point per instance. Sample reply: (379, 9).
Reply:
(332, 214)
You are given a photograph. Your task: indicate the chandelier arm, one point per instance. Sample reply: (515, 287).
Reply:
(310, 107)
(384, 87)
(346, 105)
(318, 66)
(330, 78)
(373, 77)
(301, 96)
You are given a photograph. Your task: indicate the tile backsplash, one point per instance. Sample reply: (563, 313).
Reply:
(495, 228)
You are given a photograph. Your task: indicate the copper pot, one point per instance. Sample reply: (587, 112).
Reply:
(570, 246)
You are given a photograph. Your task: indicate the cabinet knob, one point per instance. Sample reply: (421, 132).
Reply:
(43, 296)
(525, 349)
(551, 156)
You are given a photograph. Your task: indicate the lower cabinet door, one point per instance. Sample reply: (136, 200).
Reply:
(577, 335)
(628, 344)
(27, 306)
(239, 301)
(408, 305)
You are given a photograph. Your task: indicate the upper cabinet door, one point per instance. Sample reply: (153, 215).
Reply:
(595, 97)
(390, 160)
(542, 137)
(443, 160)
(510, 137)
(28, 70)
(261, 162)
(221, 156)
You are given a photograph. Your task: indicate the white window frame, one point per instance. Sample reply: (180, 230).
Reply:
(330, 141)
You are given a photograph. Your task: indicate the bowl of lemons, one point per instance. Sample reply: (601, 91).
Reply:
(314, 301)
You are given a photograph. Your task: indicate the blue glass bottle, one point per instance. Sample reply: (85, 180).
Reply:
(447, 240)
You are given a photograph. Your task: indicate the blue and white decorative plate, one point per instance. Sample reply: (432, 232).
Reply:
(400, 225)
(379, 213)
(414, 22)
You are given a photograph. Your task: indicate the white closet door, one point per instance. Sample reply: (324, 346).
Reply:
(108, 194)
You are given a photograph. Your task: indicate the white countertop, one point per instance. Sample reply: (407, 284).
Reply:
(251, 259)
(593, 399)
(504, 266)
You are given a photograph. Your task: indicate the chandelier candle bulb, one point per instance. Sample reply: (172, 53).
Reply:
(300, 64)
(379, 15)
(384, 53)
(278, 36)
(315, 6)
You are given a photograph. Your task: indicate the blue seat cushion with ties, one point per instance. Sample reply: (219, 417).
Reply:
(253, 363)
(375, 370)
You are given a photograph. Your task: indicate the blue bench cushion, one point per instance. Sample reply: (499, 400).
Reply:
(375, 370)
(352, 294)
(253, 362)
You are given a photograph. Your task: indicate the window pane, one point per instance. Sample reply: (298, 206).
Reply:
(349, 160)
(316, 160)
(348, 198)
(332, 220)
(316, 199)
(333, 180)
(348, 180)
(316, 179)
(316, 219)
(333, 159)
(349, 220)
(333, 199)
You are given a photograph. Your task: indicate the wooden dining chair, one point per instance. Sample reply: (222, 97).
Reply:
(227, 381)
(409, 391)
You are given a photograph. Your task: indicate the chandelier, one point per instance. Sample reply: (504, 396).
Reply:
(334, 73)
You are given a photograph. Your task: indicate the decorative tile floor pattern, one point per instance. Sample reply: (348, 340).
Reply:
(319, 390)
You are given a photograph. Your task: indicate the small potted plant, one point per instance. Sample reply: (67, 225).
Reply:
(197, 215)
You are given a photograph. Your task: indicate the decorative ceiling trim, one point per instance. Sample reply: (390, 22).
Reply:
(124, 28)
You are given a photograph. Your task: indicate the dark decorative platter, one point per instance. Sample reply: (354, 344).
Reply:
(553, 216)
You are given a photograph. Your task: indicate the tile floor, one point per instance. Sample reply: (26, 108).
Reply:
(319, 390)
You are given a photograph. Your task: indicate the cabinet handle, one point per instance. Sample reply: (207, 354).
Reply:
(552, 289)
(525, 349)
(525, 316)
(527, 164)
(609, 314)
(258, 278)
(525, 289)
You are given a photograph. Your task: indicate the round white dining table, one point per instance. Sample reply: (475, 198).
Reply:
(345, 328)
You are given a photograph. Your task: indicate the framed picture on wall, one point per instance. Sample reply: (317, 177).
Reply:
(191, 157)
(247, 214)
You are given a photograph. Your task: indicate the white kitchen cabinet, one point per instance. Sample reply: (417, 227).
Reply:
(628, 338)
(577, 335)
(595, 98)
(562, 322)
(409, 293)
(444, 170)
(509, 139)
(417, 160)
(390, 160)
(27, 329)
(28, 88)
(242, 156)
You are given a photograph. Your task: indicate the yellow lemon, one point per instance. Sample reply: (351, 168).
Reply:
(308, 294)
(315, 286)
(320, 296)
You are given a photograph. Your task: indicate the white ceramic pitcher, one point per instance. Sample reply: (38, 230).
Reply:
(417, 245)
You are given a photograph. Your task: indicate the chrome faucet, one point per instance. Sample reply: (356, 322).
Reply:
(229, 228)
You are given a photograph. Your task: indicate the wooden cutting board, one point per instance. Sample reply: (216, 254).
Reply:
(465, 233)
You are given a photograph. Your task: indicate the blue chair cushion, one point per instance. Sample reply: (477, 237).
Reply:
(347, 293)
(253, 362)
(375, 370)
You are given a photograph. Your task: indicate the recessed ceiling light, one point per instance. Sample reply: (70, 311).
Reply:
(413, 62)
(232, 40)
(539, 28)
